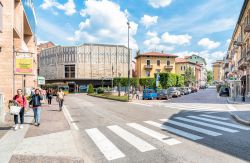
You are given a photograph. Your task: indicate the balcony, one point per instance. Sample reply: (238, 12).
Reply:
(242, 63)
(247, 28)
(148, 66)
(168, 67)
(248, 55)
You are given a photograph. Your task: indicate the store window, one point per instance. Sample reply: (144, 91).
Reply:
(69, 71)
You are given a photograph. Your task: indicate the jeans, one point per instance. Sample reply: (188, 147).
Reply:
(21, 114)
(49, 100)
(60, 101)
(37, 114)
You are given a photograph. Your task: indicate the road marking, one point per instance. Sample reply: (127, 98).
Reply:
(109, 150)
(138, 143)
(207, 124)
(141, 104)
(154, 134)
(69, 118)
(198, 129)
(175, 131)
(214, 117)
(219, 122)
(212, 112)
(191, 106)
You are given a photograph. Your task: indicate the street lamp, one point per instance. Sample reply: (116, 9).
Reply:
(128, 62)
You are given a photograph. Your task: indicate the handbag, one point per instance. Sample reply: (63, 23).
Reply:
(15, 110)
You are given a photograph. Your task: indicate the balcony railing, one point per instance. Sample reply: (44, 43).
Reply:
(248, 55)
(242, 63)
(148, 66)
(167, 67)
(247, 28)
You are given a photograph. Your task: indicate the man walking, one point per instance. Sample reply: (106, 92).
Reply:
(60, 99)
(35, 103)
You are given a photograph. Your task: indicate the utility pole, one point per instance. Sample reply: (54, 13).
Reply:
(128, 62)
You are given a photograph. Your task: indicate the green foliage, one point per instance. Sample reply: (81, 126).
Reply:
(147, 82)
(189, 77)
(91, 89)
(179, 81)
(100, 90)
(168, 80)
(124, 82)
(210, 76)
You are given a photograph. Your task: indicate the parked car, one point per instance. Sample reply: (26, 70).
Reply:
(149, 94)
(164, 94)
(224, 91)
(183, 91)
(188, 90)
(174, 92)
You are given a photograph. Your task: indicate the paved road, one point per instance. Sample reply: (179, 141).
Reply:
(188, 129)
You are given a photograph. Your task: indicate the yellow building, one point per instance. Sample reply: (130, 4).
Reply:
(182, 64)
(148, 64)
(218, 72)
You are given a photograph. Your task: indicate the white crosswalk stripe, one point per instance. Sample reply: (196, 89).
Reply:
(222, 123)
(154, 134)
(201, 130)
(207, 124)
(138, 143)
(173, 130)
(214, 117)
(109, 150)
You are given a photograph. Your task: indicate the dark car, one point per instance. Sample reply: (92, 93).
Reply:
(163, 94)
(224, 91)
(174, 92)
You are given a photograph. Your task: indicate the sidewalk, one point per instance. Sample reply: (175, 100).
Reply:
(52, 141)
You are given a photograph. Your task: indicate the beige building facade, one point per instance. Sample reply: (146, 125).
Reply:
(237, 60)
(218, 71)
(84, 64)
(17, 36)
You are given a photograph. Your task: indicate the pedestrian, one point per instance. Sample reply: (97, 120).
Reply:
(49, 96)
(243, 92)
(35, 104)
(60, 99)
(21, 100)
(137, 94)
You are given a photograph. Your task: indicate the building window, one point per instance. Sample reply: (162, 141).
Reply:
(148, 62)
(69, 71)
(1, 17)
(184, 68)
(148, 73)
(168, 63)
(158, 62)
(157, 70)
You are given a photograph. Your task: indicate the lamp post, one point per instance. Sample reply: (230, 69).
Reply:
(128, 62)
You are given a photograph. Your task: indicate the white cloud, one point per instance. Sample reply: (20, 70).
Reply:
(159, 3)
(106, 23)
(69, 7)
(153, 43)
(148, 21)
(208, 44)
(176, 39)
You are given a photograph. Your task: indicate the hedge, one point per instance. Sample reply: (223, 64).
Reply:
(124, 82)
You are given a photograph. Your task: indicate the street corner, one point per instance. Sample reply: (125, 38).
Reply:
(55, 147)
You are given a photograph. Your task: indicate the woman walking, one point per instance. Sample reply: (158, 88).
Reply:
(35, 103)
(21, 100)
(49, 96)
(60, 99)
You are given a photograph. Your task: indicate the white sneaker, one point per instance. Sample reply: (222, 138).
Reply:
(21, 126)
(16, 127)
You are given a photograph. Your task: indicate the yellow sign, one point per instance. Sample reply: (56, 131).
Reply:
(24, 65)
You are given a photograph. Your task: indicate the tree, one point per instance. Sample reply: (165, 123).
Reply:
(91, 89)
(179, 81)
(189, 78)
(210, 77)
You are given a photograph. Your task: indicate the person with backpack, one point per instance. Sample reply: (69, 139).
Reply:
(21, 100)
(35, 104)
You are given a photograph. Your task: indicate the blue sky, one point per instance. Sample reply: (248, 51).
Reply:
(181, 27)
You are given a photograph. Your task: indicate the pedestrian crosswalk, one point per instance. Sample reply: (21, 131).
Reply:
(176, 129)
(209, 109)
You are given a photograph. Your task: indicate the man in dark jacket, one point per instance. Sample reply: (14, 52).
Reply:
(35, 103)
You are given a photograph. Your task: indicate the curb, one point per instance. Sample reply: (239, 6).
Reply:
(237, 118)
(108, 98)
